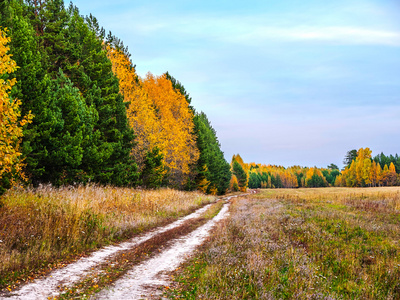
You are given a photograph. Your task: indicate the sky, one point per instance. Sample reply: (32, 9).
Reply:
(291, 82)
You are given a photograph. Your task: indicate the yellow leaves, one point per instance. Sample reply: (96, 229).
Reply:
(159, 115)
(175, 136)
(365, 172)
(10, 123)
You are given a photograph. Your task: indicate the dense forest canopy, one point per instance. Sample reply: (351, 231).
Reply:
(87, 115)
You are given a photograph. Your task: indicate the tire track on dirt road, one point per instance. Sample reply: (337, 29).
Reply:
(150, 270)
(49, 286)
(144, 279)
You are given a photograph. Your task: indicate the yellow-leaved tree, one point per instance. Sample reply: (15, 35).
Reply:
(10, 122)
(160, 117)
(175, 137)
(141, 112)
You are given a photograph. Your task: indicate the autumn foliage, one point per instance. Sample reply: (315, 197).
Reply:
(363, 171)
(175, 136)
(160, 117)
(95, 119)
(10, 122)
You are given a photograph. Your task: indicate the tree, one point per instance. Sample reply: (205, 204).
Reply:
(10, 123)
(175, 138)
(315, 178)
(240, 175)
(63, 128)
(141, 112)
(153, 171)
(379, 175)
(234, 185)
(333, 167)
(350, 156)
(392, 176)
(366, 176)
(180, 88)
(211, 164)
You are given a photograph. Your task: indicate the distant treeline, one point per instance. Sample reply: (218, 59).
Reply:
(361, 170)
(87, 116)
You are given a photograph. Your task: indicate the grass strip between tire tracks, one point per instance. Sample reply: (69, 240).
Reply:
(113, 269)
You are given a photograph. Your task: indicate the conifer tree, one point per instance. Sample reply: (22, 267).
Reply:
(211, 165)
(10, 122)
(240, 175)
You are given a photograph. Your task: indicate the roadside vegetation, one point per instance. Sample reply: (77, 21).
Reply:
(44, 228)
(335, 243)
(115, 268)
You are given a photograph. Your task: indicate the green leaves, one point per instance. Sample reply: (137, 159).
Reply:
(211, 165)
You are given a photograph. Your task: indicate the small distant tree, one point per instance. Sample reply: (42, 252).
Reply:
(333, 167)
(234, 186)
(350, 156)
(240, 175)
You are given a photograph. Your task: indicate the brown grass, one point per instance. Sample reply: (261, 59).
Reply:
(40, 227)
(118, 265)
(333, 243)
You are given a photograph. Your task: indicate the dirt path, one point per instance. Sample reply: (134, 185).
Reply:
(49, 286)
(144, 279)
(139, 279)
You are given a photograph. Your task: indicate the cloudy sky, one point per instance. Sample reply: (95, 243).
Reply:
(291, 82)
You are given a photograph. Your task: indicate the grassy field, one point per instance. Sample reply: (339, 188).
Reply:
(45, 228)
(332, 243)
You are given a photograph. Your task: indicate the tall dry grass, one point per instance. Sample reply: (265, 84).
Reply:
(39, 227)
(331, 243)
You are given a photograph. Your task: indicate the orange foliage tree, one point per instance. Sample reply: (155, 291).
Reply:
(363, 171)
(175, 138)
(160, 117)
(141, 111)
(10, 122)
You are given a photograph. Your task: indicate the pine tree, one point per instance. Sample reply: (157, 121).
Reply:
(240, 175)
(10, 122)
(63, 126)
(211, 157)
(153, 171)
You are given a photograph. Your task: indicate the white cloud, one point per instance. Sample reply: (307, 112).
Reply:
(345, 35)
(256, 30)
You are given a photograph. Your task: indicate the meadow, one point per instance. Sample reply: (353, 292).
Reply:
(330, 243)
(46, 228)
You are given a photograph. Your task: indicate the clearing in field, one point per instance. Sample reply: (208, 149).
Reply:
(333, 243)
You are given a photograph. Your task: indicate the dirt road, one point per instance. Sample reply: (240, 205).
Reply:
(175, 242)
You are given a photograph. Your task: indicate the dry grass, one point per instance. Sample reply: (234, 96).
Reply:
(41, 226)
(333, 243)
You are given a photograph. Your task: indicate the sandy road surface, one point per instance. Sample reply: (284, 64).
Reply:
(142, 280)
(43, 288)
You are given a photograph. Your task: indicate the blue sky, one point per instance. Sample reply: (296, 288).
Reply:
(282, 82)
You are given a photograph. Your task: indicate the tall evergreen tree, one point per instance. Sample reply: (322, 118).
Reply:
(211, 165)
(63, 126)
(350, 156)
(60, 39)
(240, 175)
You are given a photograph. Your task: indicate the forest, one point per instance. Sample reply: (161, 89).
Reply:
(360, 170)
(74, 110)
